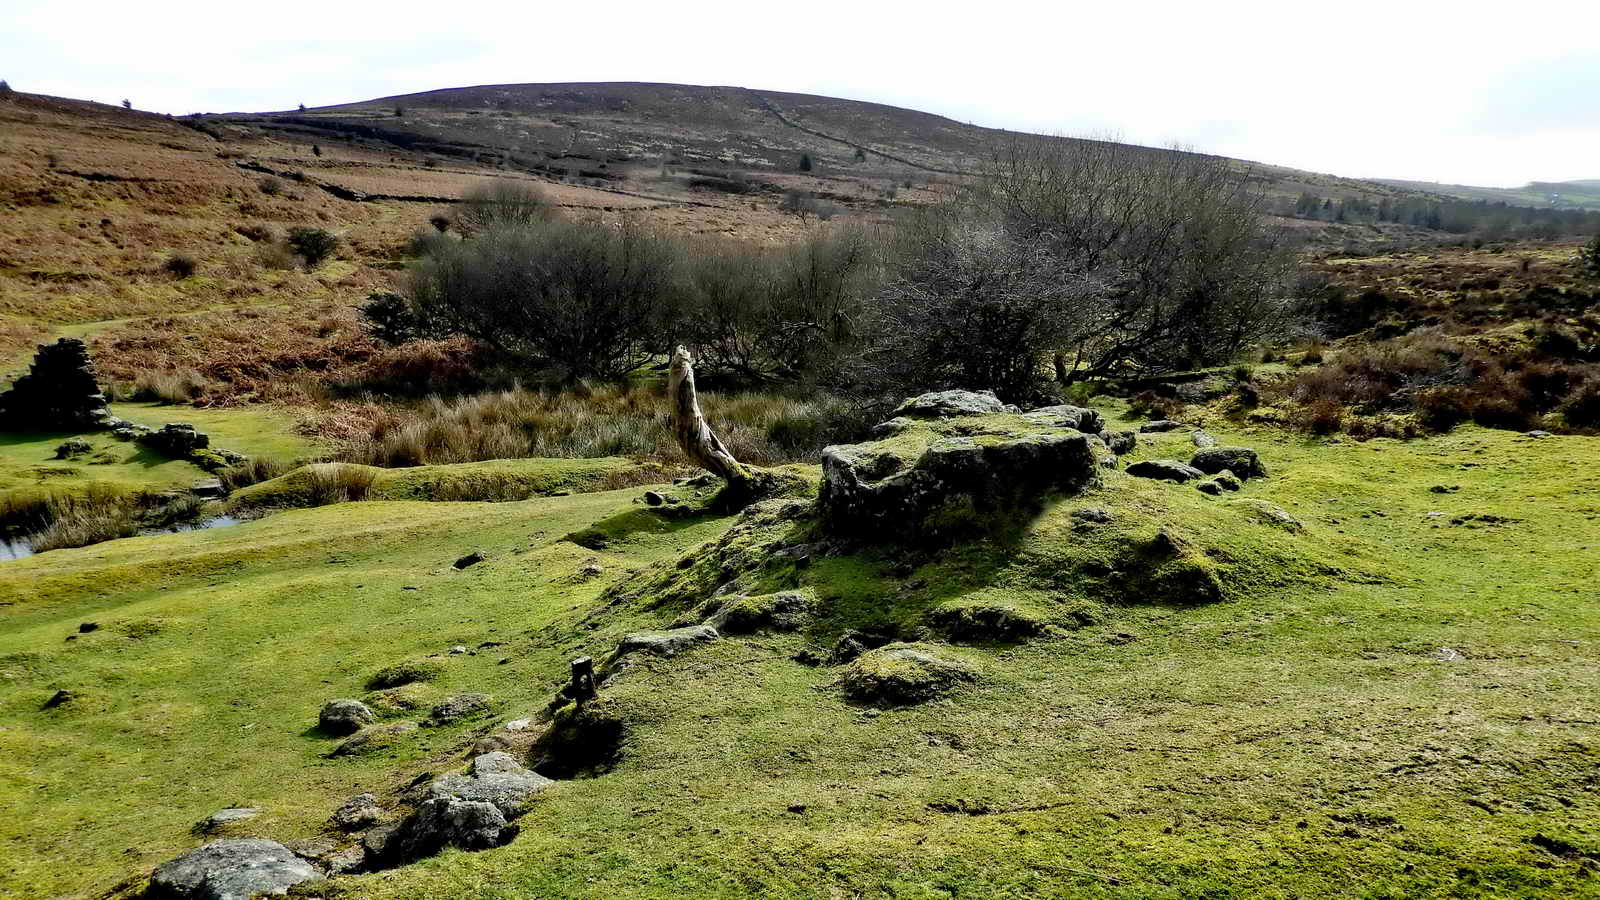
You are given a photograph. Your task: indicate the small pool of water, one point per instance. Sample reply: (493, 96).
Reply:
(22, 547)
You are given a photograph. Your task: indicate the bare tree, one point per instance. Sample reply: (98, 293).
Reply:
(1099, 258)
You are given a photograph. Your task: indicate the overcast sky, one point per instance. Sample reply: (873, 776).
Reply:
(1474, 93)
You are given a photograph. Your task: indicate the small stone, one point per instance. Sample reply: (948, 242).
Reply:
(1165, 470)
(348, 861)
(1241, 461)
(86, 627)
(207, 487)
(519, 725)
(653, 498)
(1096, 514)
(1228, 481)
(360, 811)
(1447, 654)
(58, 698)
(1201, 439)
(1159, 425)
(459, 707)
(1538, 433)
(344, 716)
(222, 818)
(471, 559)
(591, 570)
(373, 738)
(73, 447)
(1209, 487)
(458, 649)
(665, 643)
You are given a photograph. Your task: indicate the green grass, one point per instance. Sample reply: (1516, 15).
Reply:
(1300, 738)
(28, 464)
(496, 479)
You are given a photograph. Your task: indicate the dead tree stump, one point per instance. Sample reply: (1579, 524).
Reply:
(689, 426)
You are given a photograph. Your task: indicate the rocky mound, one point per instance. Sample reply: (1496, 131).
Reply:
(937, 474)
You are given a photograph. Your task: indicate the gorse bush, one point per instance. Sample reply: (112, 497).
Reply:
(180, 265)
(501, 203)
(312, 244)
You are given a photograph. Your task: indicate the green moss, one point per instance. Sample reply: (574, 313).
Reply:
(898, 674)
(405, 673)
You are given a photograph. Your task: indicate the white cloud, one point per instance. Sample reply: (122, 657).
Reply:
(1402, 88)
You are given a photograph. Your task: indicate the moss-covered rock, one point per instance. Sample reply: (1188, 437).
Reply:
(901, 674)
(405, 673)
(782, 611)
(940, 478)
(987, 616)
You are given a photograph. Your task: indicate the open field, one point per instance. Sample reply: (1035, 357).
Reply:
(1307, 735)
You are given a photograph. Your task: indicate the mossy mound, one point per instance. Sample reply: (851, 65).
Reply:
(988, 615)
(320, 484)
(404, 674)
(746, 614)
(903, 674)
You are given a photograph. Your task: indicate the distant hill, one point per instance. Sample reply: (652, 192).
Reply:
(1582, 194)
(603, 132)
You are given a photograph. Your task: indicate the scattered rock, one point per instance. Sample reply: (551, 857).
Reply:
(1446, 654)
(784, 611)
(379, 840)
(1165, 470)
(665, 643)
(360, 811)
(1065, 416)
(944, 404)
(1537, 433)
(73, 447)
(207, 487)
(58, 698)
(86, 627)
(222, 818)
(459, 707)
(591, 570)
(59, 393)
(497, 779)
(348, 861)
(1228, 481)
(1209, 487)
(458, 649)
(519, 725)
(1272, 514)
(373, 738)
(1241, 461)
(1097, 514)
(1120, 442)
(1159, 425)
(471, 559)
(850, 645)
(1444, 489)
(344, 716)
(900, 674)
(230, 870)
(176, 439)
(653, 498)
(447, 822)
(1201, 439)
(892, 427)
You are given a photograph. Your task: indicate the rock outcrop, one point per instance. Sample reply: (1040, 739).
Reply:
(878, 490)
(944, 404)
(59, 393)
(901, 674)
(664, 643)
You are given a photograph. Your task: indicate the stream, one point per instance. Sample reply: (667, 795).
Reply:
(22, 547)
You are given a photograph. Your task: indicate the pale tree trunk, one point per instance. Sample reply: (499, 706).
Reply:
(690, 428)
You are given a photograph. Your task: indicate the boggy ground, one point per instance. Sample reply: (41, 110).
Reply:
(1306, 735)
